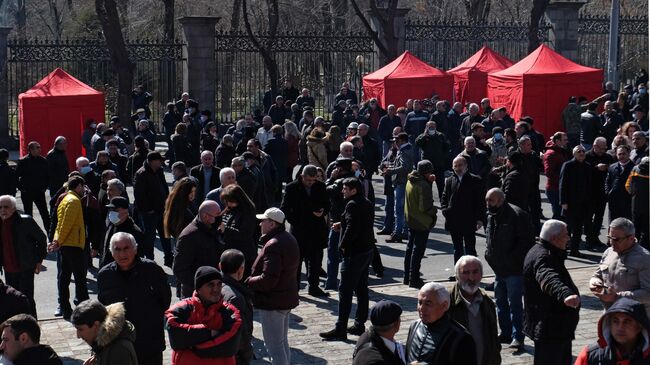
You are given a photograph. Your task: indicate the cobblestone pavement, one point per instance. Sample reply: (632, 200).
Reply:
(315, 315)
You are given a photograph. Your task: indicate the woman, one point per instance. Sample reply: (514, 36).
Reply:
(180, 144)
(627, 130)
(179, 207)
(316, 150)
(239, 224)
(292, 136)
(333, 142)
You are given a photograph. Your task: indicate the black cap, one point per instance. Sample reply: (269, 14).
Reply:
(385, 312)
(108, 132)
(118, 202)
(154, 155)
(205, 274)
(638, 108)
(248, 155)
(526, 119)
(629, 87)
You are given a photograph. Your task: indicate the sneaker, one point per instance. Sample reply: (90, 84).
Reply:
(505, 339)
(416, 283)
(384, 232)
(322, 273)
(58, 312)
(334, 335)
(357, 329)
(517, 345)
(317, 292)
(395, 238)
(405, 281)
(452, 278)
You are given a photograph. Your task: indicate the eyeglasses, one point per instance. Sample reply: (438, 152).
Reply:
(616, 239)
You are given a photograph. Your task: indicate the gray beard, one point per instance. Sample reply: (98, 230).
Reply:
(469, 289)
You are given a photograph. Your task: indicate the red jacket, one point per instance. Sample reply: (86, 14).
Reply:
(554, 157)
(189, 325)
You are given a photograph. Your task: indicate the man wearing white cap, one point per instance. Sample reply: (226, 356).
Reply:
(273, 279)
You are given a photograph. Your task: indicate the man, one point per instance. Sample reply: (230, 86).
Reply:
(415, 121)
(232, 266)
(555, 156)
(8, 179)
(378, 346)
(274, 283)
(22, 247)
(21, 338)
(575, 183)
(610, 122)
(245, 178)
(434, 147)
(119, 221)
(117, 158)
(370, 156)
(508, 237)
(470, 120)
(477, 160)
(207, 176)
(150, 191)
(531, 166)
(637, 186)
(618, 199)
(57, 165)
(420, 218)
(552, 299)
(91, 177)
(305, 99)
(385, 131)
(197, 246)
(227, 176)
(398, 174)
(70, 240)
(589, 126)
(107, 331)
(141, 285)
(356, 248)
(145, 132)
(600, 161)
(436, 338)
(624, 270)
(514, 182)
(305, 205)
(492, 121)
(278, 112)
(180, 104)
(31, 174)
(571, 121)
(12, 302)
(485, 106)
(472, 307)
(264, 132)
(346, 94)
(455, 121)
(463, 208)
(103, 163)
(640, 149)
(266, 167)
(389, 192)
(622, 336)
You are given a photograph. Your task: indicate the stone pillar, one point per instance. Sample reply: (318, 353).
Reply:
(399, 29)
(563, 17)
(200, 67)
(5, 140)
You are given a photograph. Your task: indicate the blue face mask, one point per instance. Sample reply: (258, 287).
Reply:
(642, 91)
(498, 136)
(357, 174)
(84, 170)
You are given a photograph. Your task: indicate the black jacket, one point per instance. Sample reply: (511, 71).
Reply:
(146, 295)
(32, 174)
(620, 201)
(12, 302)
(515, 186)
(246, 180)
(240, 226)
(197, 246)
(181, 148)
(39, 354)
(589, 127)
(278, 150)
(136, 160)
(371, 350)
(127, 226)
(223, 155)
(298, 208)
(434, 148)
(238, 295)
(371, 154)
(547, 283)
(444, 342)
(575, 185)
(598, 177)
(29, 242)
(357, 235)
(150, 189)
(463, 203)
(508, 237)
(8, 180)
(57, 169)
(197, 173)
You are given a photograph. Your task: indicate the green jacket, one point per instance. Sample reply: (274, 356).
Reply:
(418, 204)
(114, 343)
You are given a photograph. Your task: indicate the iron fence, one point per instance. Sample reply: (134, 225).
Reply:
(158, 67)
(316, 61)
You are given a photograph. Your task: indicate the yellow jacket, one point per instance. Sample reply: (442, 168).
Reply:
(70, 228)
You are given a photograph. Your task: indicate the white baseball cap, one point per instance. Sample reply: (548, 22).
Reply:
(273, 214)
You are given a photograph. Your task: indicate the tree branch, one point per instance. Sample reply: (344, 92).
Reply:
(366, 24)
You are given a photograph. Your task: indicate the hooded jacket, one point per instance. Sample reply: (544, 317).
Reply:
(114, 342)
(603, 352)
(418, 204)
(317, 152)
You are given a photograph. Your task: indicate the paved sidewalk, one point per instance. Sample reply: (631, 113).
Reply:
(315, 315)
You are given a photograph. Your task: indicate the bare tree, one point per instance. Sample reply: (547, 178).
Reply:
(478, 10)
(168, 30)
(266, 49)
(227, 74)
(21, 17)
(387, 44)
(110, 21)
(536, 14)
(54, 19)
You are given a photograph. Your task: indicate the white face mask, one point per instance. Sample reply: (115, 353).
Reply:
(93, 125)
(113, 217)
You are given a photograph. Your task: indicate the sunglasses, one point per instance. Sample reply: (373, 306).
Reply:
(617, 239)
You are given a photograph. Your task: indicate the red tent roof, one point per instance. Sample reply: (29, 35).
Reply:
(406, 66)
(485, 60)
(544, 61)
(59, 83)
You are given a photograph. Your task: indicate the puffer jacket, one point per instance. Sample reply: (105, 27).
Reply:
(604, 352)
(418, 204)
(114, 343)
(189, 324)
(70, 229)
(637, 186)
(444, 342)
(508, 237)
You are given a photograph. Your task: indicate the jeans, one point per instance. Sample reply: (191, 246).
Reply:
(400, 195)
(587, 146)
(389, 211)
(385, 147)
(24, 283)
(553, 353)
(275, 330)
(554, 198)
(332, 261)
(152, 222)
(464, 244)
(38, 198)
(414, 252)
(73, 262)
(508, 291)
(354, 278)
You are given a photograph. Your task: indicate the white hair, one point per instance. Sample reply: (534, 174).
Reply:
(438, 289)
(623, 224)
(117, 183)
(121, 236)
(346, 144)
(467, 259)
(473, 106)
(207, 152)
(551, 229)
(577, 148)
(11, 199)
(601, 140)
(80, 160)
(469, 139)
(224, 171)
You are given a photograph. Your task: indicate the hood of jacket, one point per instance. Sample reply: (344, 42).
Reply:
(632, 308)
(115, 325)
(414, 177)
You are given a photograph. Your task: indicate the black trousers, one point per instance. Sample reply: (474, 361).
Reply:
(36, 197)
(553, 353)
(23, 282)
(641, 227)
(73, 263)
(153, 358)
(312, 255)
(464, 244)
(595, 221)
(577, 219)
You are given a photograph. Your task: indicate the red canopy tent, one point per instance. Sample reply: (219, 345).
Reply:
(58, 105)
(407, 77)
(540, 86)
(470, 77)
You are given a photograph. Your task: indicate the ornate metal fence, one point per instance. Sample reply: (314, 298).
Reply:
(593, 40)
(318, 62)
(159, 69)
(445, 44)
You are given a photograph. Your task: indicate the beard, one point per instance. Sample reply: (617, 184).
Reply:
(469, 288)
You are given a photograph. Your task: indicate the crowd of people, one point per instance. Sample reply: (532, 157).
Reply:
(221, 225)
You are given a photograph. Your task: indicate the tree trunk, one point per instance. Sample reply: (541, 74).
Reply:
(266, 50)
(478, 10)
(226, 74)
(387, 44)
(168, 30)
(110, 22)
(21, 18)
(536, 14)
